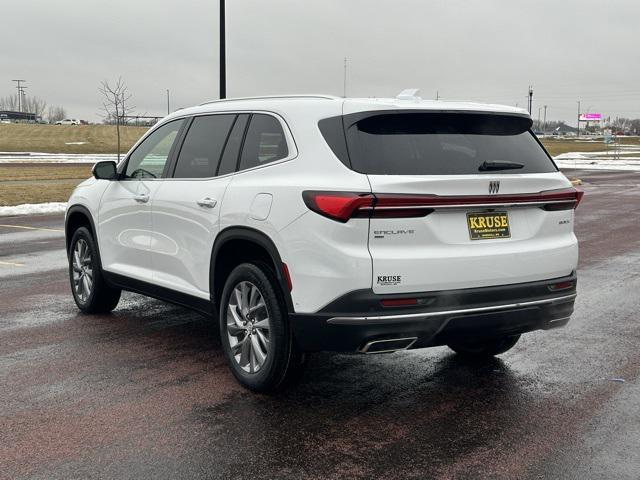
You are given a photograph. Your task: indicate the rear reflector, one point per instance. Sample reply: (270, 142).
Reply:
(399, 302)
(287, 276)
(554, 287)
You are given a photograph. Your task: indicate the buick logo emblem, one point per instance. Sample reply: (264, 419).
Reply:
(494, 186)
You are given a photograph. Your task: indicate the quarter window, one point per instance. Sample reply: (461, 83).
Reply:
(265, 142)
(202, 147)
(149, 158)
(232, 149)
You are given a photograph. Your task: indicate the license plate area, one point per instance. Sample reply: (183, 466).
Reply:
(488, 225)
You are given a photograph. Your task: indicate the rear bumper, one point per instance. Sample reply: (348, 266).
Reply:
(355, 320)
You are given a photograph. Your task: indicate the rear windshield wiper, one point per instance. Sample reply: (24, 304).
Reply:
(486, 166)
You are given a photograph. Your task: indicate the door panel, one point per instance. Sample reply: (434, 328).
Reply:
(124, 218)
(124, 228)
(185, 223)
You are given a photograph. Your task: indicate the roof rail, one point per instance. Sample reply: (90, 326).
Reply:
(267, 97)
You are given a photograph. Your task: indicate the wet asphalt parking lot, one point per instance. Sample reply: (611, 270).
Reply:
(145, 393)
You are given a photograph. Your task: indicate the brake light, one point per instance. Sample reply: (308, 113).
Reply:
(573, 197)
(340, 206)
(401, 206)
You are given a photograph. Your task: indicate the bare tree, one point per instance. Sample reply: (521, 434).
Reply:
(35, 105)
(56, 113)
(9, 103)
(30, 104)
(116, 104)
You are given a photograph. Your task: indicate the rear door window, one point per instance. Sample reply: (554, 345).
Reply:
(445, 144)
(265, 142)
(202, 147)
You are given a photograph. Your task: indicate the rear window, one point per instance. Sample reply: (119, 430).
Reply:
(443, 144)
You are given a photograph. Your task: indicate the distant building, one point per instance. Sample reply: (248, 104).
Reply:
(18, 116)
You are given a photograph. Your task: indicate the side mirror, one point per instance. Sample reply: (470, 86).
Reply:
(105, 170)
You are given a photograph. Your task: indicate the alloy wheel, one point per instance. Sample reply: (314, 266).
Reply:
(248, 327)
(82, 270)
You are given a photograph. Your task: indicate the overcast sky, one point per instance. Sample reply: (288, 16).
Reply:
(483, 50)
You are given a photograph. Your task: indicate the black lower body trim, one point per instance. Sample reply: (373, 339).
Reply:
(200, 305)
(444, 317)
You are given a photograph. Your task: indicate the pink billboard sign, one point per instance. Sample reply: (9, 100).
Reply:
(591, 117)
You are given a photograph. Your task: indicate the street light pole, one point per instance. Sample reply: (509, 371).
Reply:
(223, 59)
(578, 118)
(168, 107)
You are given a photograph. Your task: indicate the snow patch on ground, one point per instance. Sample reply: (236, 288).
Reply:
(34, 209)
(619, 157)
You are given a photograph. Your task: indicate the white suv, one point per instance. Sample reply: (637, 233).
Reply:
(312, 223)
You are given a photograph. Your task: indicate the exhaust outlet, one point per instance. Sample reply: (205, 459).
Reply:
(388, 345)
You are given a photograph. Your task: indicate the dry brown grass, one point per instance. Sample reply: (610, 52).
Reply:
(36, 183)
(36, 192)
(54, 138)
(556, 146)
(46, 171)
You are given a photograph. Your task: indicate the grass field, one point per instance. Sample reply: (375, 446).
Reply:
(556, 146)
(36, 183)
(57, 138)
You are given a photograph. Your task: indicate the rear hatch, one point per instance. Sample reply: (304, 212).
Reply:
(462, 199)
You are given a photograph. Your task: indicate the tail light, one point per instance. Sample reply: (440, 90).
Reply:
(342, 206)
(568, 199)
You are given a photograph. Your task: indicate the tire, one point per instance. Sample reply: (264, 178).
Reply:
(484, 349)
(256, 340)
(90, 291)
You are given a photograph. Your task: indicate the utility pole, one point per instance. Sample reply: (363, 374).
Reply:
(539, 108)
(530, 98)
(578, 118)
(23, 96)
(168, 108)
(437, 95)
(344, 79)
(19, 93)
(544, 128)
(223, 55)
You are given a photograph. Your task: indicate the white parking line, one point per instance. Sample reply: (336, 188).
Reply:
(11, 264)
(33, 228)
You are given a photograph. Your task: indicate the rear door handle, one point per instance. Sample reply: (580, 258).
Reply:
(141, 197)
(207, 202)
